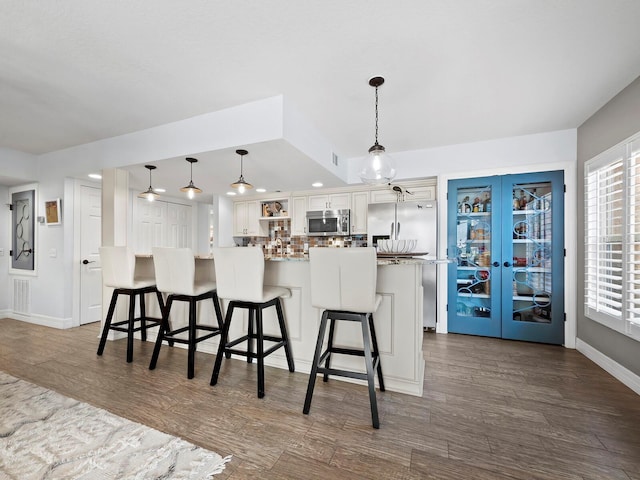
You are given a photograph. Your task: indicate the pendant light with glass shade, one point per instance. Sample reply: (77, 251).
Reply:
(150, 193)
(191, 189)
(241, 184)
(378, 167)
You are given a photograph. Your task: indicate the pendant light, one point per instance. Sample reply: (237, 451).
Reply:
(378, 167)
(149, 194)
(241, 184)
(191, 189)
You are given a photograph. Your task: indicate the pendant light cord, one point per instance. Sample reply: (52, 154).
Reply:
(376, 116)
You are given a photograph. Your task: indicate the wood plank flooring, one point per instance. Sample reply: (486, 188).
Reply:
(491, 409)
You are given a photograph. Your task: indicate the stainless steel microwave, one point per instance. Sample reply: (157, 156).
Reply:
(328, 223)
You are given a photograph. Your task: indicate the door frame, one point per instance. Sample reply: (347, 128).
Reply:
(570, 237)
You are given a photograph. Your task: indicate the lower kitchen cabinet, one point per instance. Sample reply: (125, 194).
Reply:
(507, 236)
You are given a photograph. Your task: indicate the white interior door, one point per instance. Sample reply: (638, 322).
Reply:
(150, 220)
(178, 225)
(90, 267)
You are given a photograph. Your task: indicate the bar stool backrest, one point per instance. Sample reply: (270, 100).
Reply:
(175, 270)
(239, 273)
(118, 266)
(343, 279)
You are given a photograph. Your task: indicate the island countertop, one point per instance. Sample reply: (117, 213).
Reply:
(381, 260)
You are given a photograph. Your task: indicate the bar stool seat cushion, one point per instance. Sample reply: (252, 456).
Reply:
(138, 283)
(202, 287)
(270, 292)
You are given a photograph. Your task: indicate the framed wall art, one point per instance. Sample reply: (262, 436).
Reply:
(52, 212)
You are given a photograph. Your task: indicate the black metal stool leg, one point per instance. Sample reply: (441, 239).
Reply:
(107, 322)
(130, 324)
(327, 363)
(192, 339)
(223, 342)
(376, 352)
(260, 351)
(368, 359)
(316, 362)
(164, 321)
(250, 335)
(161, 332)
(216, 306)
(143, 318)
(285, 336)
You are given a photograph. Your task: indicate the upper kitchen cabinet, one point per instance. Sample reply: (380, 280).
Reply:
(246, 219)
(336, 201)
(507, 236)
(408, 193)
(359, 206)
(298, 216)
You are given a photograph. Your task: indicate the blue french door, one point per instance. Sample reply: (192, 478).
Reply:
(506, 235)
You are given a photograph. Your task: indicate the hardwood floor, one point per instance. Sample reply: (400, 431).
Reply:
(492, 409)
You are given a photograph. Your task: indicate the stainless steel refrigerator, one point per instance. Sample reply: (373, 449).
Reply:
(410, 220)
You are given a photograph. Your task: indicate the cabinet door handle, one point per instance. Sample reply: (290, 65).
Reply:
(507, 264)
(496, 264)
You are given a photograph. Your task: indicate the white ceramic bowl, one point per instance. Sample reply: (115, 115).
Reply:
(397, 246)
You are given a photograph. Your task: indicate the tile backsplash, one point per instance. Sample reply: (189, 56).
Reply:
(296, 245)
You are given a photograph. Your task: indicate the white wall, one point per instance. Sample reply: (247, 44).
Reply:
(17, 165)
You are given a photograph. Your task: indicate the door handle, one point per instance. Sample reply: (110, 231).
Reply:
(85, 261)
(496, 264)
(392, 225)
(507, 264)
(398, 230)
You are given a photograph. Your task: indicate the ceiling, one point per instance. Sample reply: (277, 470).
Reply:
(456, 71)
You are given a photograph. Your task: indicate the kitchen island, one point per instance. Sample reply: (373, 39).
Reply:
(398, 319)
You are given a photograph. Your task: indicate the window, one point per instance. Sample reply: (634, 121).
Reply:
(612, 238)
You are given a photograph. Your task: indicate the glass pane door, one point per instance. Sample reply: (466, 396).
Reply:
(473, 240)
(532, 261)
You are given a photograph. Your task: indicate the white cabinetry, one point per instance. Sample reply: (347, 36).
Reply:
(337, 201)
(246, 221)
(298, 216)
(359, 204)
(418, 193)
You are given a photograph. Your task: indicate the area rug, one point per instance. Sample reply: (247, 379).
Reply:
(45, 435)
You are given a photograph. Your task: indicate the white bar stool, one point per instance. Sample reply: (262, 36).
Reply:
(175, 277)
(119, 272)
(343, 284)
(240, 276)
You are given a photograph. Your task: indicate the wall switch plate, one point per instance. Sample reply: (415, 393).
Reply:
(53, 253)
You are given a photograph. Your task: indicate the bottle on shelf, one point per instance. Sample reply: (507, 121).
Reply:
(522, 201)
(486, 202)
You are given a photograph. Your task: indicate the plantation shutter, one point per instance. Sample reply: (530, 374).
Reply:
(633, 241)
(604, 231)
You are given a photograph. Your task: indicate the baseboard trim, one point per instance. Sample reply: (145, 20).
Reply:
(623, 374)
(42, 320)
